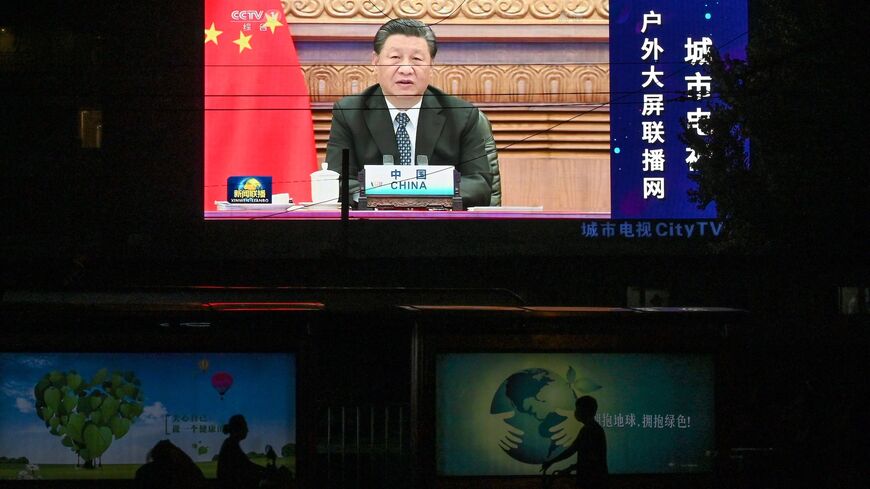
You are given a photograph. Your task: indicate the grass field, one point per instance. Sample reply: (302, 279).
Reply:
(119, 471)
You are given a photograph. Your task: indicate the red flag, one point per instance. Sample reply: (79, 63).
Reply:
(257, 109)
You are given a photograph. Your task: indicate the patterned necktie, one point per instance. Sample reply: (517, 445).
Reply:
(402, 139)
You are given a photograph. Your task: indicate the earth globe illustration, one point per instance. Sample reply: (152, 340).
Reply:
(534, 395)
(250, 184)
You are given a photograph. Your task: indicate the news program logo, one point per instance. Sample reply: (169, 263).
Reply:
(249, 190)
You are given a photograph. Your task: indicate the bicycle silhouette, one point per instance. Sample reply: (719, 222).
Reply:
(547, 480)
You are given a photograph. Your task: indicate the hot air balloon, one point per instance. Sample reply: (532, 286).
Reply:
(203, 365)
(221, 382)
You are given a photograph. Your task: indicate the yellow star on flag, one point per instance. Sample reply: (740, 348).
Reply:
(243, 41)
(211, 34)
(272, 22)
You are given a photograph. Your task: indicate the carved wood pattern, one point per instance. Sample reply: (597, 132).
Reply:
(478, 83)
(470, 11)
(523, 132)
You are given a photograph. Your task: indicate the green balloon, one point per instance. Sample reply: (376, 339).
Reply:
(73, 380)
(95, 401)
(100, 377)
(75, 425)
(109, 407)
(56, 378)
(52, 397)
(70, 401)
(89, 416)
(39, 390)
(97, 439)
(120, 426)
(43, 413)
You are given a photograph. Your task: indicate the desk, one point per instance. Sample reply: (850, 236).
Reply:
(334, 215)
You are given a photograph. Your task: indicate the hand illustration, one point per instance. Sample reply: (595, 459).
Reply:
(565, 432)
(509, 436)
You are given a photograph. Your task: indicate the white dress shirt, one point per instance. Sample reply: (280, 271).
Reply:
(411, 127)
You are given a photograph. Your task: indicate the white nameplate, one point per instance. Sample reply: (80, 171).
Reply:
(409, 180)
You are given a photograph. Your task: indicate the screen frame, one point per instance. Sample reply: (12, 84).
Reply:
(596, 332)
(169, 332)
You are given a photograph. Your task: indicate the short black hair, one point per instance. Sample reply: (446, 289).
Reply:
(407, 27)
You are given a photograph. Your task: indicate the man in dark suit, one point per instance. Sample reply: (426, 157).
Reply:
(403, 116)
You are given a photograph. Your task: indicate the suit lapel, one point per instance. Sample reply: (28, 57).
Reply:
(429, 126)
(380, 126)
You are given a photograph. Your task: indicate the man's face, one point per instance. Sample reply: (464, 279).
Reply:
(404, 69)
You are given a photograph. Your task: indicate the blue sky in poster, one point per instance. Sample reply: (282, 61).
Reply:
(263, 390)
(726, 24)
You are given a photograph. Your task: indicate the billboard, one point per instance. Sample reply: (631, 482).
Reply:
(500, 414)
(98, 415)
(587, 103)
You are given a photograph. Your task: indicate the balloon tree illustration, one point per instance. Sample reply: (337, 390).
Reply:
(88, 416)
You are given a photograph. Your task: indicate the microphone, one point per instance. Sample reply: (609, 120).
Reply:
(388, 160)
(422, 160)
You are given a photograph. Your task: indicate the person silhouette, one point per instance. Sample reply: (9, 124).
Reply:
(168, 467)
(235, 470)
(590, 447)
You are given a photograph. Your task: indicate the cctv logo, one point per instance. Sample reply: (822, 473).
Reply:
(247, 15)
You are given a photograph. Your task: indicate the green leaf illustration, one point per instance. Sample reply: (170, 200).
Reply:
(585, 385)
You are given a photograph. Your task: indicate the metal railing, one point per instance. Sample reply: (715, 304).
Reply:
(364, 446)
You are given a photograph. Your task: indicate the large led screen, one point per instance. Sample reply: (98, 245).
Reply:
(507, 413)
(586, 101)
(98, 415)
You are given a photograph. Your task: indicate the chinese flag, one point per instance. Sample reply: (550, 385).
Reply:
(257, 109)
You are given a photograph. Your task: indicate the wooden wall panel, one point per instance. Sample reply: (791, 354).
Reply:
(575, 184)
(523, 132)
